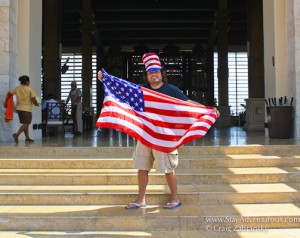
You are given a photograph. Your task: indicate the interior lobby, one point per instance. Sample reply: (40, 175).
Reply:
(271, 41)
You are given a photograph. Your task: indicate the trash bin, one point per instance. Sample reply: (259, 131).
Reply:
(88, 118)
(280, 122)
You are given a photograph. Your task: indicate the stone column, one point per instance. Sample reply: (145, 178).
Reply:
(281, 52)
(30, 53)
(20, 54)
(52, 48)
(255, 113)
(255, 49)
(293, 61)
(222, 26)
(87, 71)
(8, 56)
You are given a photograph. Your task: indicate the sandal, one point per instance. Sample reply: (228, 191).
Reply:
(172, 205)
(15, 138)
(134, 205)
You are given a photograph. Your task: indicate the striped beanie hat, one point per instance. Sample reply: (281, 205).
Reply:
(151, 62)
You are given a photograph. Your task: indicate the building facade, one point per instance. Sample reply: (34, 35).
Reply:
(21, 52)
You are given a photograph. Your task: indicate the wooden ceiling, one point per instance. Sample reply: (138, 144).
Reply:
(120, 22)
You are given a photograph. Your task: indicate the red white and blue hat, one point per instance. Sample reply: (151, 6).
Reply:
(151, 62)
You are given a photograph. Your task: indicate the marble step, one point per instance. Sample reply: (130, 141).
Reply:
(115, 152)
(66, 163)
(240, 161)
(191, 171)
(128, 176)
(246, 160)
(116, 218)
(199, 233)
(156, 194)
(96, 179)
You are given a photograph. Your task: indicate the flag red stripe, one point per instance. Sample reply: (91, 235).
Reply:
(150, 95)
(173, 113)
(175, 125)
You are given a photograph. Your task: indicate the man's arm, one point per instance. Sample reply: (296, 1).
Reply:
(191, 101)
(68, 99)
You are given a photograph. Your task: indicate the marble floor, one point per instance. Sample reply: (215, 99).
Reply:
(109, 138)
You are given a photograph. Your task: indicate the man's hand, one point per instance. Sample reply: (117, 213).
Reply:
(100, 76)
(218, 113)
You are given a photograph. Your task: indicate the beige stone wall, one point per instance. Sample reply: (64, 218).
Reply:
(30, 51)
(8, 56)
(293, 56)
(282, 43)
(296, 66)
(20, 53)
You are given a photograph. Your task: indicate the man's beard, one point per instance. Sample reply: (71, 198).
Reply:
(155, 79)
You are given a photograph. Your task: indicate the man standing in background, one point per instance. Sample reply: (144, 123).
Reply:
(76, 105)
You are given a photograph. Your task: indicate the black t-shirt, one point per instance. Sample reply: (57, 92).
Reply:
(169, 90)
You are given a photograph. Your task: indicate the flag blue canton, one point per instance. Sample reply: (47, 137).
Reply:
(125, 92)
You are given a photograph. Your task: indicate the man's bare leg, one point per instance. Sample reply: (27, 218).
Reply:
(172, 182)
(142, 183)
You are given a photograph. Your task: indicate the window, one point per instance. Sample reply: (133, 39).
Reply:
(237, 81)
(74, 73)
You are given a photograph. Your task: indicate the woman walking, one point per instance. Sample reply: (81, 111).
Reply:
(26, 96)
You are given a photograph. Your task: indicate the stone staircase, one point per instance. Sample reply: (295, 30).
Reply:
(230, 191)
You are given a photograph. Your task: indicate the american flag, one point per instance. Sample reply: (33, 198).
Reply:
(158, 121)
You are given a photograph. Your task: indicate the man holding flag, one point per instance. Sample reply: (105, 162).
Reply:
(160, 117)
